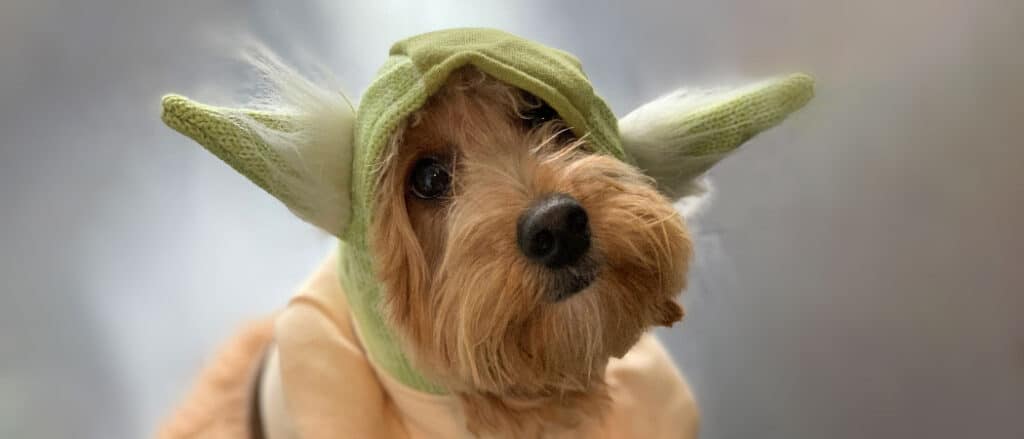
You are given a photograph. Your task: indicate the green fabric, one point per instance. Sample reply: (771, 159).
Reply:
(217, 129)
(694, 130)
(416, 68)
(723, 125)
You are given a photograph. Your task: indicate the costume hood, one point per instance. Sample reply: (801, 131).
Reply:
(318, 155)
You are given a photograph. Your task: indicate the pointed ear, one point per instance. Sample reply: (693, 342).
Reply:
(301, 156)
(678, 137)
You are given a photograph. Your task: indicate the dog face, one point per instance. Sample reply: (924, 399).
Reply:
(515, 261)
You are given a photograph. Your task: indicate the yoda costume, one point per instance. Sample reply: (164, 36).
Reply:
(333, 367)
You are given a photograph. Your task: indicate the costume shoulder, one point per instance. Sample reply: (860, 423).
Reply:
(650, 398)
(324, 382)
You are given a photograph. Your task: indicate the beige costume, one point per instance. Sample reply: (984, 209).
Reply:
(317, 382)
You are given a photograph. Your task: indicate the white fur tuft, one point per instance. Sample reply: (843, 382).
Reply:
(315, 147)
(659, 136)
(676, 138)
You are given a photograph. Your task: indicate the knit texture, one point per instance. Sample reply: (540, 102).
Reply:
(724, 124)
(263, 147)
(678, 137)
(218, 130)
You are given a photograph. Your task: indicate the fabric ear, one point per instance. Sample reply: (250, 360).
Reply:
(307, 168)
(675, 139)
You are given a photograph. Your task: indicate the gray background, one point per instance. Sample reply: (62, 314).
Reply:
(858, 274)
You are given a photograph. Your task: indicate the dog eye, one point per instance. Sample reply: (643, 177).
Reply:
(538, 115)
(430, 179)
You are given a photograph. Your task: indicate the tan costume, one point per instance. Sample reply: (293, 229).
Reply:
(317, 382)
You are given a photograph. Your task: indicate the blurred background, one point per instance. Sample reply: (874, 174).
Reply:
(858, 273)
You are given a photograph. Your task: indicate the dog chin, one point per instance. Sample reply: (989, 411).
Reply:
(569, 282)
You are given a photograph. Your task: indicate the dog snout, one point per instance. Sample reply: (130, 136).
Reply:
(554, 231)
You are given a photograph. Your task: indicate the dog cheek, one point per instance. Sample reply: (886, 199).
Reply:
(668, 312)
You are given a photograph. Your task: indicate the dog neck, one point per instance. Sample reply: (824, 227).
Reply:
(528, 415)
(363, 291)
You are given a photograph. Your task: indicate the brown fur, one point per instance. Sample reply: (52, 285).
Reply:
(470, 308)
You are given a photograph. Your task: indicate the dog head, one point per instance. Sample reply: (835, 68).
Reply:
(516, 261)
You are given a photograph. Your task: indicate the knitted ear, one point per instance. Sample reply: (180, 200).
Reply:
(301, 155)
(675, 139)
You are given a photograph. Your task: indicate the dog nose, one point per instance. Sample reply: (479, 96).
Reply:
(555, 231)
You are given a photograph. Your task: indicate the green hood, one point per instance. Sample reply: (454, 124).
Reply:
(693, 137)
(417, 67)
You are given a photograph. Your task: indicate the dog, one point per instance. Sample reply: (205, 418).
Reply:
(517, 246)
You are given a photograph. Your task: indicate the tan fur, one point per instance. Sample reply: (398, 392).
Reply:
(470, 308)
